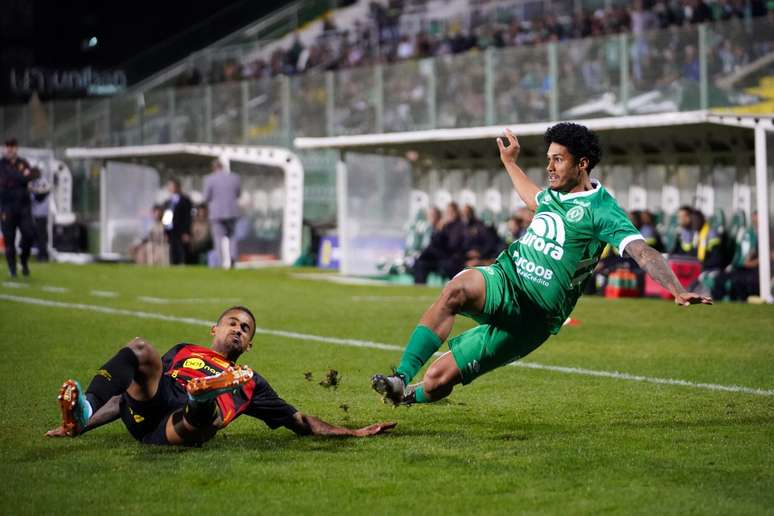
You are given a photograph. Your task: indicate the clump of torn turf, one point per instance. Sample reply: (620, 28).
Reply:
(331, 380)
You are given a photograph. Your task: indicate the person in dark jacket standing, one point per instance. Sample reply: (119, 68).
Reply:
(15, 214)
(177, 223)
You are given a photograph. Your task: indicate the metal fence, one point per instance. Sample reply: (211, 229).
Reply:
(681, 68)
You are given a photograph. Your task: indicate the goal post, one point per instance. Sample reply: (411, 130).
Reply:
(272, 184)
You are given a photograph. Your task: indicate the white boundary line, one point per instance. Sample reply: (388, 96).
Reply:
(387, 347)
(190, 300)
(56, 290)
(103, 293)
(14, 284)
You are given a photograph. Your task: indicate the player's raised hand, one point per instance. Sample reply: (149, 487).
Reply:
(375, 429)
(691, 298)
(511, 152)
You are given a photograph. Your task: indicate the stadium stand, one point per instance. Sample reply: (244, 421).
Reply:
(527, 76)
(399, 66)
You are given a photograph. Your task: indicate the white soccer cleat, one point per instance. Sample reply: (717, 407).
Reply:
(390, 387)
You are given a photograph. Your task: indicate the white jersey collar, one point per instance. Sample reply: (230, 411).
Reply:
(596, 187)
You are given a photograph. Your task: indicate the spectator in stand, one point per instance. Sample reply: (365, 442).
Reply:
(740, 279)
(293, 55)
(434, 226)
(649, 232)
(405, 48)
(526, 216)
(446, 254)
(201, 239)
(515, 230)
(482, 245)
(517, 224)
(381, 40)
(691, 64)
(724, 10)
(153, 249)
(686, 236)
(665, 15)
(696, 11)
(709, 249)
(642, 21)
(177, 223)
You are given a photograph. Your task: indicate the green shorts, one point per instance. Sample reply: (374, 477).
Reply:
(510, 327)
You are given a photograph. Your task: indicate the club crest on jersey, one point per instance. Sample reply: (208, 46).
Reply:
(575, 214)
(546, 235)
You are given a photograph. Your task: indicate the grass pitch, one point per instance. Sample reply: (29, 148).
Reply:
(516, 441)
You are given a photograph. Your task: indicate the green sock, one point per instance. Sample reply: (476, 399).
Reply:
(419, 395)
(422, 344)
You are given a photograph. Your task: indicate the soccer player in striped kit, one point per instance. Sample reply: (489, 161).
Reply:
(189, 394)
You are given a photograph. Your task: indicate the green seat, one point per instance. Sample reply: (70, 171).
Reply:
(487, 216)
(658, 217)
(718, 221)
(736, 232)
(501, 225)
(415, 234)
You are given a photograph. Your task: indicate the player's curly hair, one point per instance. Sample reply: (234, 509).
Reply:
(580, 141)
(239, 308)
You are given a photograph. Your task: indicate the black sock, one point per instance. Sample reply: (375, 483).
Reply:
(200, 414)
(113, 378)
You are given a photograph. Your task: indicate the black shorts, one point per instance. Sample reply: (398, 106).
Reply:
(147, 420)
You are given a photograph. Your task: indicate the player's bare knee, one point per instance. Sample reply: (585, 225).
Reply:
(433, 379)
(453, 295)
(143, 349)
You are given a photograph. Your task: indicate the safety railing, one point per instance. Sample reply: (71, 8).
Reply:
(720, 65)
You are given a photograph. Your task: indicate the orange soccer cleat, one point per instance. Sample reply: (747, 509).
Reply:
(74, 408)
(208, 387)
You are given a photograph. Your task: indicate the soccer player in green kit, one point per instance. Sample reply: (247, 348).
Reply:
(526, 295)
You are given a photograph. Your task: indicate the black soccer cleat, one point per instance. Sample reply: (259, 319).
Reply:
(391, 388)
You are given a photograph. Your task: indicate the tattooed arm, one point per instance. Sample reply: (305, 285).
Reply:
(657, 268)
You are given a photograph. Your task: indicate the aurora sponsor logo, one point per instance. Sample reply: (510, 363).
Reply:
(546, 235)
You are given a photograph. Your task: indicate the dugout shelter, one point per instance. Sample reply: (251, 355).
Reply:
(132, 180)
(716, 162)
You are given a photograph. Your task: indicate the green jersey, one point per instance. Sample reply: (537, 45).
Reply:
(746, 247)
(553, 260)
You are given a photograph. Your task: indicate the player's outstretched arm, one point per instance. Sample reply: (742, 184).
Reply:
(526, 189)
(657, 268)
(107, 413)
(304, 424)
